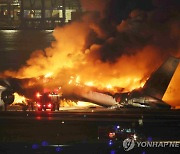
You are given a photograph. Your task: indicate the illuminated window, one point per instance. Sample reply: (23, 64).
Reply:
(68, 14)
(32, 13)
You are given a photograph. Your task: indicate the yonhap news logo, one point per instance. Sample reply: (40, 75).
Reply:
(129, 144)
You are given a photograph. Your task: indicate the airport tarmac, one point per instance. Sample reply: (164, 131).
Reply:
(70, 126)
(97, 114)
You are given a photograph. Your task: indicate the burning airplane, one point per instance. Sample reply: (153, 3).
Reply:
(150, 96)
(104, 56)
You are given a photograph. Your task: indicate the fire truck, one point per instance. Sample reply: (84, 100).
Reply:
(47, 101)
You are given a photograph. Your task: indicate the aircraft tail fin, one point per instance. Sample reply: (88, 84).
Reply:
(157, 84)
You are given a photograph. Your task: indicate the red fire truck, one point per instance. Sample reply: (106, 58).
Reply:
(47, 101)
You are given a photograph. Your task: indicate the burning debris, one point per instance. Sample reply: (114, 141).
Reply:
(105, 52)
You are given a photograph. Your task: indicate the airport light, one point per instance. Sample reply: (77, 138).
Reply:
(58, 149)
(112, 134)
(113, 151)
(118, 127)
(44, 143)
(110, 142)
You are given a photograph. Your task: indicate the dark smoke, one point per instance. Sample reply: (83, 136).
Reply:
(130, 25)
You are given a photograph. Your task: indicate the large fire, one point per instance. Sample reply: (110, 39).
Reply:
(111, 57)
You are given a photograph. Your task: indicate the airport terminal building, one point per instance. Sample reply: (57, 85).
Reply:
(38, 14)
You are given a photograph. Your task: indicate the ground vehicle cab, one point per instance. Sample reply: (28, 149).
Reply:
(44, 102)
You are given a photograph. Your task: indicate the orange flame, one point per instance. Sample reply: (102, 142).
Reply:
(19, 99)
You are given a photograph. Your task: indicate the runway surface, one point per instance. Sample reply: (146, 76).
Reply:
(97, 114)
(82, 125)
